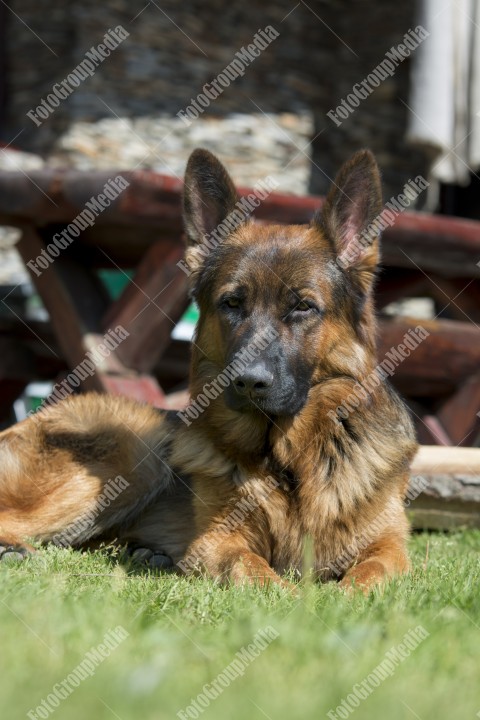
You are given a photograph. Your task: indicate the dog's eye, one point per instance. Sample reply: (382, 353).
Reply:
(303, 306)
(231, 302)
(302, 310)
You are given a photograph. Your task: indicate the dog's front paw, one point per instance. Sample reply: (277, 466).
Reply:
(148, 558)
(12, 554)
(364, 577)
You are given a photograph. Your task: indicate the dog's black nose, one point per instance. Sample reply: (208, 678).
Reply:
(255, 380)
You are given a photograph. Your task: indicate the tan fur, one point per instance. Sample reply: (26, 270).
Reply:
(296, 479)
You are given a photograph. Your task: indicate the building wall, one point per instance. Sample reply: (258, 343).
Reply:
(323, 49)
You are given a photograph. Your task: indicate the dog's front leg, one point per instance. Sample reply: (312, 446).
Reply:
(384, 558)
(229, 559)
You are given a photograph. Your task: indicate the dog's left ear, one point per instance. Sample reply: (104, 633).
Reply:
(209, 195)
(351, 206)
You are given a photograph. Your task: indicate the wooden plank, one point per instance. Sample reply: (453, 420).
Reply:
(459, 415)
(449, 247)
(397, 283)
(52, 196)
(444, 460)
(177, 400)
(174, 365)
(69, 327)
(76, 305)
(125, 245)
(450, 478)
(75, 326)
(449, 354)
(150, 306)
(462, 298)
(142, 388)
(15, 360)
(431, 432)
(16, 370)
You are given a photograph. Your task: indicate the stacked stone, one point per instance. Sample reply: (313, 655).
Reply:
(322, 50)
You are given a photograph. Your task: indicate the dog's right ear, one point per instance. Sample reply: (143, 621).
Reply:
(209, 195)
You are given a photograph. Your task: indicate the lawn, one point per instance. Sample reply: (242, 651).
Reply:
(165, 637)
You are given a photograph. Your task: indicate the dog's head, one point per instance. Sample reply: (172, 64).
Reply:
(282, 308)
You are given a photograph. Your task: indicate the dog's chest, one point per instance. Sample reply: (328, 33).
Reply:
(311, 524)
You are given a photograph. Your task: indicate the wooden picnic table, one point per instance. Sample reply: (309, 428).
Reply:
(141, 232)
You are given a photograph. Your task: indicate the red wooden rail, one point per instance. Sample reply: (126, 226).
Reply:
(423, 255)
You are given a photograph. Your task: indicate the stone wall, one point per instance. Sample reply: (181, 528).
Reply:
(324, 47)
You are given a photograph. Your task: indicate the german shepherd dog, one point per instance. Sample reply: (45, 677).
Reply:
(268, 464)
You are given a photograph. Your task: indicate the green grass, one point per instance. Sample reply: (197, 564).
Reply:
(184, 632)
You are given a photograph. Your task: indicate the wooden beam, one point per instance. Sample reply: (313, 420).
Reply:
(150, 307)
(76, 305)
(450, 498)
(76, 324)
(16, 371)
(461, 299)
(446, 246)
(446, 460)
(460, 414)
(142, 388)
(398, 283)
(431, 432)
(450, 353)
